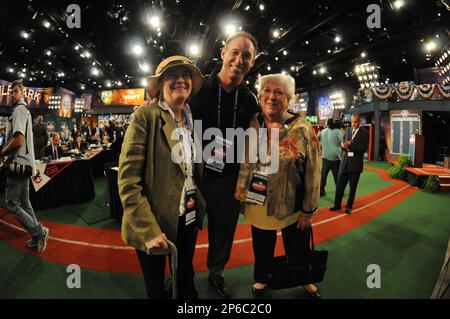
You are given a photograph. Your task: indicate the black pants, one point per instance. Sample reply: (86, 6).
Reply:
(153, 267)
(295, 242)
(326, 167)
(223, 214)
(344, 178)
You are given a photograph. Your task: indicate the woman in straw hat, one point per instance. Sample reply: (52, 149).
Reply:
(158, 178)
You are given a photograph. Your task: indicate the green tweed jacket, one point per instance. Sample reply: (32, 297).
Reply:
(150, 183)
(295, 187)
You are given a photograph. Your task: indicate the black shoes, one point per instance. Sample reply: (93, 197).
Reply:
(348, 210)
(334, 208)
(313, 295)
(257, 292)
(220, 286)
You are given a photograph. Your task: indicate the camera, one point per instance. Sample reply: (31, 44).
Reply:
(17, 170)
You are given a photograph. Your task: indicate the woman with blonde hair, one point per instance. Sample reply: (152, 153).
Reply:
(285, 199)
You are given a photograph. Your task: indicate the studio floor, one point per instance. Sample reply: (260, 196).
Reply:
(400, 228)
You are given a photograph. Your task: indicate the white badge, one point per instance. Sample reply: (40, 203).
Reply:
(216, 162)
(350, 154)
(189, 203)
(257, 190)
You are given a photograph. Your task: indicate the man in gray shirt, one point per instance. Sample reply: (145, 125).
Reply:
(330, 139)
(19, 149)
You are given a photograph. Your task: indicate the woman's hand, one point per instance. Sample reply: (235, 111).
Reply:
(159, 241)
(304, 221)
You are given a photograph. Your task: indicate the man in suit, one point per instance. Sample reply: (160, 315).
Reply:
(54, 150)
(40, 136)
(79, 144)
(354, 145)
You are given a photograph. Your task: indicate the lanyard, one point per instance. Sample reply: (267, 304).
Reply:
(184, 152)
(219, 106)
(261, 129)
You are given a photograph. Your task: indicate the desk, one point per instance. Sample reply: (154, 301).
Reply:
(98, 158)
(115, 205)
(73, 185)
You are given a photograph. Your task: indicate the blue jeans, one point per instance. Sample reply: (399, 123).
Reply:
(18, 204)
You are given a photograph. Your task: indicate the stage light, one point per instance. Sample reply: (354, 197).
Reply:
(247, 8)
(119, 83)
(363, 54)
(322, 70)
(24, 34)
(49, 62)
(76, 48)
(137, 49)
(46, 24)
(95, 71)
(145, 67)
(194, 50)
(82, 86)
(314, 72)
(108, 84)
(307, 42)
(276, 34)
(144, 82)
(230, 29)
(398, 4)
(284, 72)
(87, 54)
(155, 22)
(329, 51)
(261, 7)
(292, 68)
(430, 46)
(48, 52)
(269, 68)
(10, 70)
(337, 39)
(285, 52)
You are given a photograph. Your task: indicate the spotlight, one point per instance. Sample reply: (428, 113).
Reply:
(155, 22)
(46, 24)
(430, 46)
(363, 54)
(95, 71)
(230, 29)
(337, 39)
(145, 67)
(144, 82)
(24, 34)
(194, 50)
(398, 4)
(276, 34)
(261, 7)
(48, 52)
(137, 49)
(322, 70)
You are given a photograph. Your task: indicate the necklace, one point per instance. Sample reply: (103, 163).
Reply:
(179, 120)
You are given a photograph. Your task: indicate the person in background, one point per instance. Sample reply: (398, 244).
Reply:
(54, 151)
(160, 196)
(292, 192)
(354, 145)
(40, 137)
(19, 148)
(225, 102)
(330, 139)
(79, 145)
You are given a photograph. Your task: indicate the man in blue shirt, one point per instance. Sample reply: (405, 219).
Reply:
(330, 139)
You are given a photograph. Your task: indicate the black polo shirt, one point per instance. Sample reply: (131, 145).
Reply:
(204, 107)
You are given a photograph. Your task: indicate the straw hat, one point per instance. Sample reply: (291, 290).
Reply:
(171, 62)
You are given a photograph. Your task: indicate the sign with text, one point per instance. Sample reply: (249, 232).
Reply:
(126, 97)
(34, 97)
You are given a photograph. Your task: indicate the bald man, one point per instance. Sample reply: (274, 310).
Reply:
(354, 145)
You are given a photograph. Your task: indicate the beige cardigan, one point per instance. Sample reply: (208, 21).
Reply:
(295, 187)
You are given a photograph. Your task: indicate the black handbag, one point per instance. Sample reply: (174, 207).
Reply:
(298, 270)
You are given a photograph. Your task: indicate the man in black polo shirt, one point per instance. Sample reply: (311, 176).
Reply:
(225, 102)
